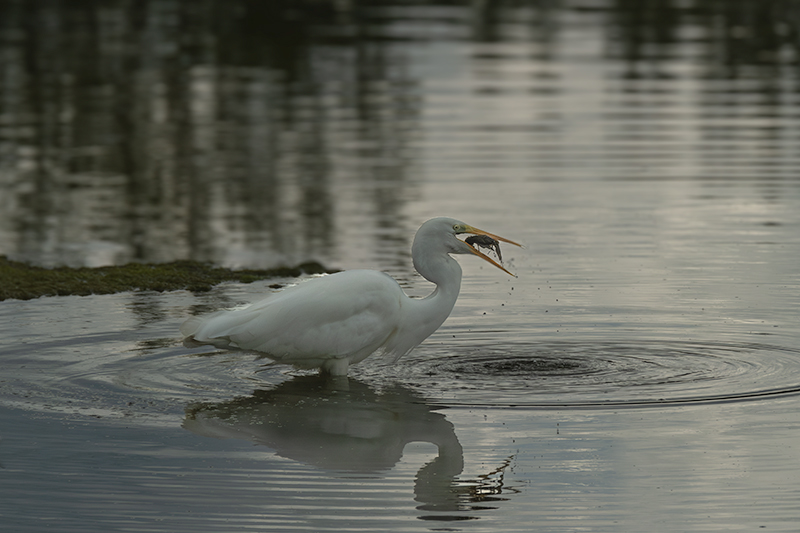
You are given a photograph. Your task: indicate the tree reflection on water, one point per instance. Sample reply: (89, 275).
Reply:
(240, 132)
(213, 131)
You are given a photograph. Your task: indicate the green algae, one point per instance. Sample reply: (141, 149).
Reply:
(24, 282)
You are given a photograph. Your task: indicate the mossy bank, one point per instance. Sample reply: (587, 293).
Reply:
(24, 282)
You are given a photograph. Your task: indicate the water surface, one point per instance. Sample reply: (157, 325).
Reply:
(642, 372)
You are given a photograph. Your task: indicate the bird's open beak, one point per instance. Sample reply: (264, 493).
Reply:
(476, 231)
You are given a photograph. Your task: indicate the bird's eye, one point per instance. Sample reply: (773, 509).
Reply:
(455, 227)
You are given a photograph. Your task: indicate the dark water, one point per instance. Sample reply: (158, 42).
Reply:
(642, 373)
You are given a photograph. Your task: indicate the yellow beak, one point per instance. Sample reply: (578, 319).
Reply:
(476, 231)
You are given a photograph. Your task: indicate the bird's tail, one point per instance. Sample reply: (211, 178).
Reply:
(191, 325)
(189, 328)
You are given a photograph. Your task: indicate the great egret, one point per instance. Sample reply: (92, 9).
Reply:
(335, 321)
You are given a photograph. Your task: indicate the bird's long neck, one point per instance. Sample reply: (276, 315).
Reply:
(421, 317)
(445, 272)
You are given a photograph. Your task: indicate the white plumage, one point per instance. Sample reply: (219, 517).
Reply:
(335, 321)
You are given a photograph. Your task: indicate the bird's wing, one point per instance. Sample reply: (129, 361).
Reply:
(331, 316)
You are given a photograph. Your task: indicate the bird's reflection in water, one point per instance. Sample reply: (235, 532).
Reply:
(344, 425)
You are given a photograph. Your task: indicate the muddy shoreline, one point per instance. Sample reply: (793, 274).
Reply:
(22, 281)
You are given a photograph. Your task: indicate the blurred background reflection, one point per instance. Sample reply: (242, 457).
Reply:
(261, 133)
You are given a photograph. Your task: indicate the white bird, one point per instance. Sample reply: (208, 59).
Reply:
(335, 321)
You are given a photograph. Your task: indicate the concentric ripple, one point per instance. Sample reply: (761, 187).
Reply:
(554, 375)
(601, 374)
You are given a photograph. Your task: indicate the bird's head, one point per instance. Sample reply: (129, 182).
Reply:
(445, 231)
